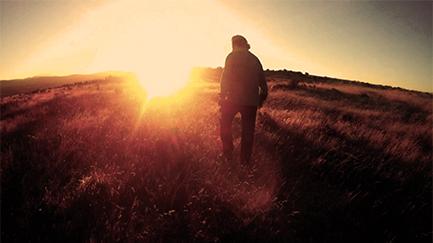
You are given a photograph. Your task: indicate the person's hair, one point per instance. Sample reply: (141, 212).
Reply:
(239, 41)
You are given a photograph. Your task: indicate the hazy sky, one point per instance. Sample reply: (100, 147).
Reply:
(385, 42)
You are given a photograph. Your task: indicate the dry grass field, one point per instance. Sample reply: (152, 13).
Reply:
(333, 162)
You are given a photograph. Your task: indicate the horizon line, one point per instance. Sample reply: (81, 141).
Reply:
(217, 67)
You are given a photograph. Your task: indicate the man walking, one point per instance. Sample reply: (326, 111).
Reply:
(243, 89)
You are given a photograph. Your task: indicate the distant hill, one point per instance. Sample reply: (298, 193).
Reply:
(16, 86)
(214, 74)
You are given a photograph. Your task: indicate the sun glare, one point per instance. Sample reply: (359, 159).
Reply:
(158, 82)
(158, 41)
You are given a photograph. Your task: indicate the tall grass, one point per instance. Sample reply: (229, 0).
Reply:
(97, 162)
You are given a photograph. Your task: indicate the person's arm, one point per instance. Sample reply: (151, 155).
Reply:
(224, 79)
(262, 85)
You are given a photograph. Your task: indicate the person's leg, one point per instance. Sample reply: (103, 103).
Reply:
(248, 114)
(228, 112)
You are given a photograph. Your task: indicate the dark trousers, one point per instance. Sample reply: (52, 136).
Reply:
(248, 118)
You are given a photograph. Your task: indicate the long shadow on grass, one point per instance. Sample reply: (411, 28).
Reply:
(27, 165)
(340, 198)
(365, 101)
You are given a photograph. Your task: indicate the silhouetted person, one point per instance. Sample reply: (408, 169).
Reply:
(243, 89)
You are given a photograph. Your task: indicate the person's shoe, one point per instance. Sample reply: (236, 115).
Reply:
(223, 159)
(228, 156)
(220, 159)
(245, 162)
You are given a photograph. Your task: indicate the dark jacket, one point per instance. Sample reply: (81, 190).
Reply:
(243, 80)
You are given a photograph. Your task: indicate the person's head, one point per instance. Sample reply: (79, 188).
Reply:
(240, 43)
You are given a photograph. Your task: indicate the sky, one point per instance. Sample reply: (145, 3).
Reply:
(381, 42)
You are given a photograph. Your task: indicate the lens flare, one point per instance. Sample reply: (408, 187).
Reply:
(162, 82)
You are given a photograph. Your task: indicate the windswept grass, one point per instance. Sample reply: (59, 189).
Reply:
(97, 162)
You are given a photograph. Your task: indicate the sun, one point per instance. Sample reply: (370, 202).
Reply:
(161, 42)
(163, 81)
(163, 70)
(163, 63)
